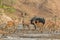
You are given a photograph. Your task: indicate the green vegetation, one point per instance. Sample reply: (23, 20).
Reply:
(7, 8)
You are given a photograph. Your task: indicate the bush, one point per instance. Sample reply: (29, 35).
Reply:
(6, 6)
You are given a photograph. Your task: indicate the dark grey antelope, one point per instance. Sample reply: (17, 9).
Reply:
(37, 21)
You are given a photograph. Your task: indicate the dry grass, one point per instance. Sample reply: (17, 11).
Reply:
(10, 27)
(51, 26)
(32, 9)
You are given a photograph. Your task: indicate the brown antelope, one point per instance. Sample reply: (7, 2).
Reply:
(26, 23)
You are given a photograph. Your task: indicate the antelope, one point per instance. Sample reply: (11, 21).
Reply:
(37, 22)
(26, 23)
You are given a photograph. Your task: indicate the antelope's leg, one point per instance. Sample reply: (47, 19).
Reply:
(24, 26)
(35, 27)
(28, 27)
